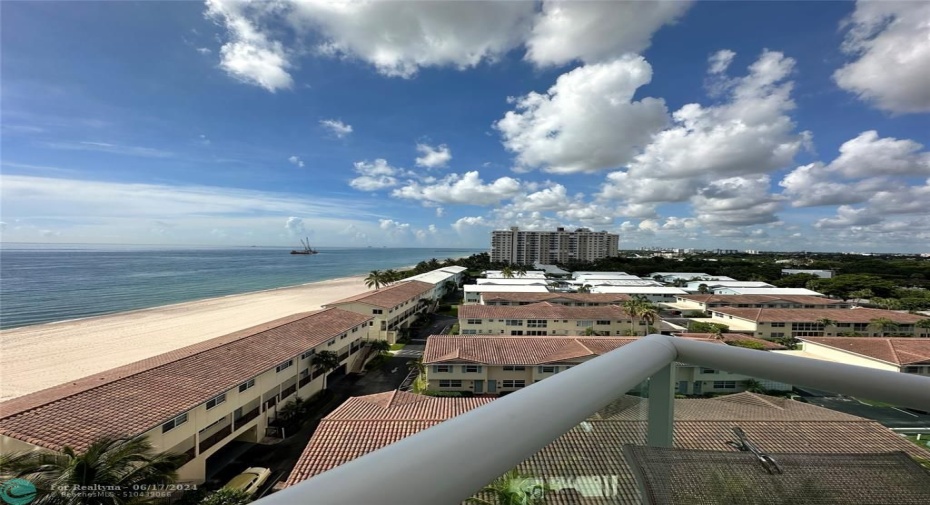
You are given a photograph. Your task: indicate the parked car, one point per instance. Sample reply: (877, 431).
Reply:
(250, 480)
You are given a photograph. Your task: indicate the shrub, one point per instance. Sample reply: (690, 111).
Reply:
(702, 327)
(226, 497)
(748, 344)
(694, 313)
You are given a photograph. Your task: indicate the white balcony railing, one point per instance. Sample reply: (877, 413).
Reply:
(451, 461)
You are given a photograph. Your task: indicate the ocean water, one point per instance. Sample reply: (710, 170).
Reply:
(40, 284)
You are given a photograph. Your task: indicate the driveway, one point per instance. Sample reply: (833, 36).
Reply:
(282, 457)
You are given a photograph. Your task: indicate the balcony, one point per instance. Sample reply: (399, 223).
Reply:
(248, 416)
(490, 440)
(215, 438)
(288, 391)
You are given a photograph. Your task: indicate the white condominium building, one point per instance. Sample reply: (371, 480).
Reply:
(559, 246)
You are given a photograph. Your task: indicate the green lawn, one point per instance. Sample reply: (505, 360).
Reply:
(397, 347)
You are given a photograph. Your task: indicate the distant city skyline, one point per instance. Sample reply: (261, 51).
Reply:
(772, 126)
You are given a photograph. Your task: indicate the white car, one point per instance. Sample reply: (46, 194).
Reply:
(250, 480)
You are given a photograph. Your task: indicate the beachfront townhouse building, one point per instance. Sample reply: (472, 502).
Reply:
(780, 323)
(391, 308)
(905, 355)
(444, 280)
(494, 365)
(194, 400)
(708, 302)
(566, 299)
(546, 318)
(474, 292)
(560, 246)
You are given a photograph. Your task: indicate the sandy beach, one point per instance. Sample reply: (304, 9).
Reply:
(33, 358)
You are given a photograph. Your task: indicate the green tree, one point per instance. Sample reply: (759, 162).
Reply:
(375, 279)
(883, 325)
(520, 271)
(379, 346)
(748, 344)
(703, 289)
(860, 294)
(753, 386)
(507, 272)
(924, 324)
(826, 322)
(584, 289)
(226, 496)
(391, 276)
(642, 309)
(795, 281)
(128, 464)
(513, 488)
(327, 361)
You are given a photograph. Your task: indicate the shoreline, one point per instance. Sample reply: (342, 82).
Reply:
(33, 356)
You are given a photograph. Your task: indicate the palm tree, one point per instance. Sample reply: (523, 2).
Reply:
(507, 272)
(129, 464)
(640, 308)
(390, 277)
(882, 325)
(753, 386)
(513, 488)
(375, 279)
(326, 360)
(923, 323)
(584, 289)
(520, 271)
(379, 346)
(826, 322)
(703, 289)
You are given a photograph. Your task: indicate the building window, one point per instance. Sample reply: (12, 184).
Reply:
(333, 341)
(537, 323)
(473, 321)
(174, 423)
(284, 365)
(536, 332)
(581, 323)
(514, 322)
(213, 402)
(708, 370)
(513, 383)
(548, 369)
(469, 332)
(305, 372)
(724, 384)
(307, 354)
(778, 325)
(603, 323)
(355, 329)
(450, 383)
(514, 368)
(471, 368)
(777, 334)
(442, 368)
(343, 336)
(246, 385)
(377, 311)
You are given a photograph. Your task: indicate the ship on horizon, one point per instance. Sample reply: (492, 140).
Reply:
(307, 249)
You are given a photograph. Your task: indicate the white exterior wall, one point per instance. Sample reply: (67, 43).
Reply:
(554, 327)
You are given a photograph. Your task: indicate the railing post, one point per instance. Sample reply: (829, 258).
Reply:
(662, 407)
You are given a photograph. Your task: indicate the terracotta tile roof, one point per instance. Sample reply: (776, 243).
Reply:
(516, 350)
(598, 298)
(733, 300)
(133, 399)
(731, 337)
(810, 315)
(588, 454)
(542, 310)
(900, 351)
(388, 297)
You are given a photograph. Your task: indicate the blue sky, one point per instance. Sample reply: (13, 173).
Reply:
(748, 125)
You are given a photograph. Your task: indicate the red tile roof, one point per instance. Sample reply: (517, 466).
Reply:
(388, 297)
(542, 310)
(733, 300)
(900, 351)
(774, 424)
(810, 315)
(516, 350)
(135, 398)
(598, 298)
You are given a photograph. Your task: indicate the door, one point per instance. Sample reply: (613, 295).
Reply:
(682, 387)
(479, 387)
(492, 386)
(697, 387)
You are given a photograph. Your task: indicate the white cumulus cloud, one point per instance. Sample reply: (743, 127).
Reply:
(468, 189)
(374, 175)
(890, 42)
(593, 32)
(433, 157)
(336, 127)
(294, 160)
(587, 121)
